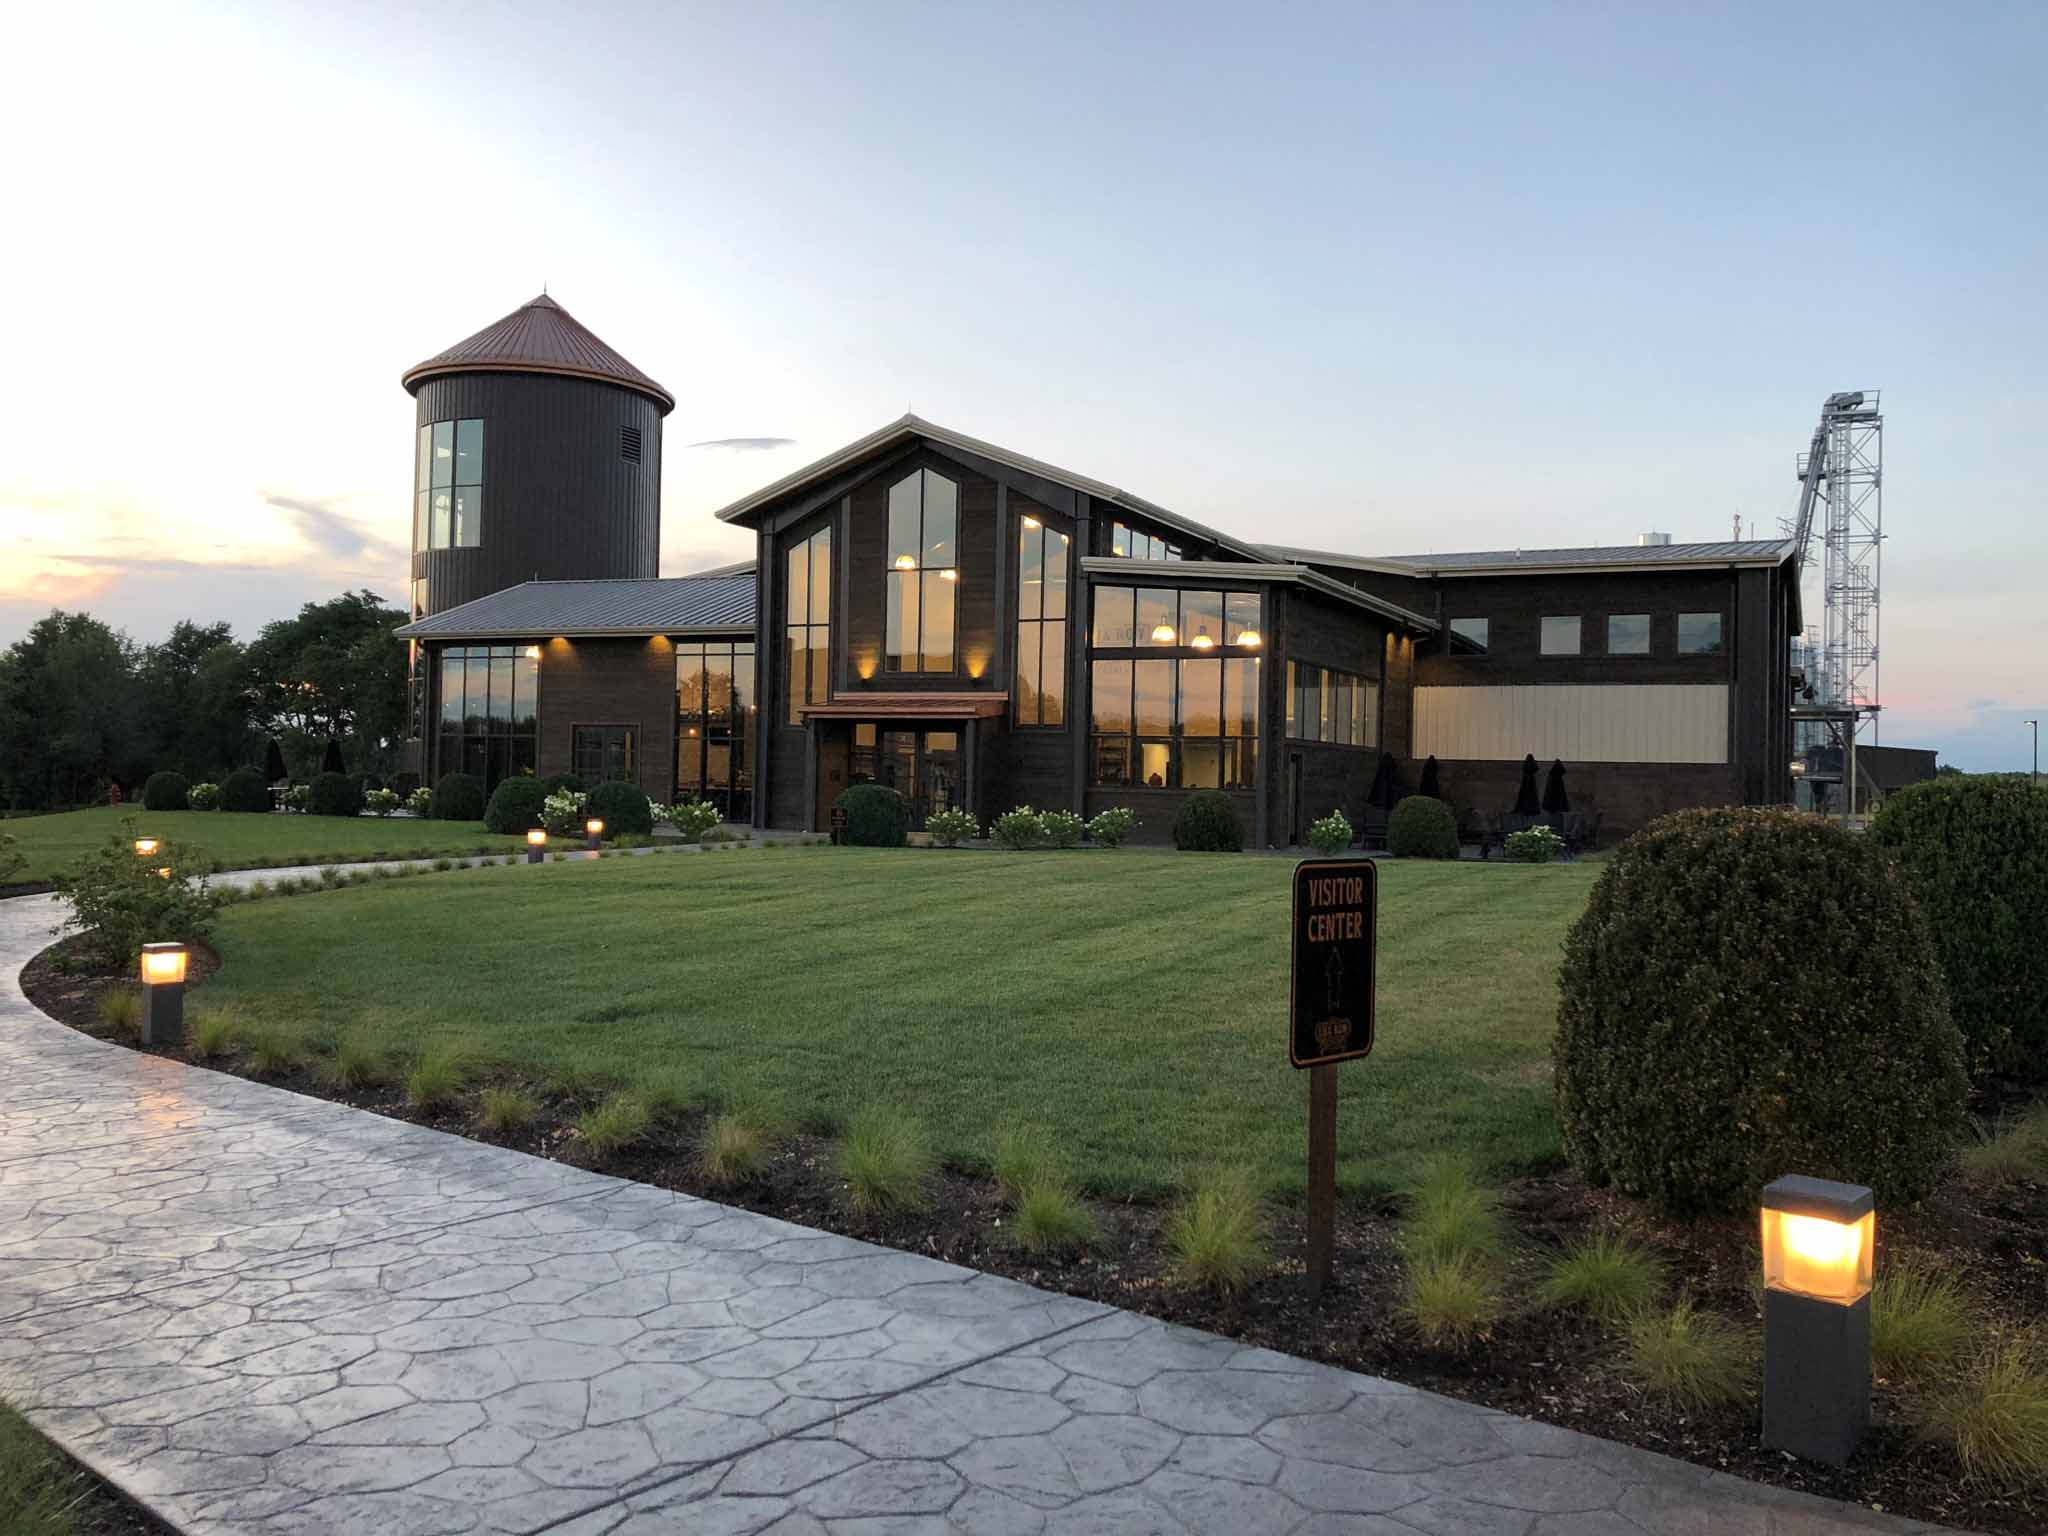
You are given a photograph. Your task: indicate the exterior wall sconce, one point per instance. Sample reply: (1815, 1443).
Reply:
(163, 994)
(593, 830)
(536, 845)
(146, 846)
(1818, 1236)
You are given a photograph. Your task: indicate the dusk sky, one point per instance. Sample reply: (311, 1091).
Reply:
(1368, 278)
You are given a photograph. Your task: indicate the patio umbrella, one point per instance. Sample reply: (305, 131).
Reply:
(1432, 785)
(1555, 800)
(330, 760)
(273, 762)
(1383, 788)
(1525, 797)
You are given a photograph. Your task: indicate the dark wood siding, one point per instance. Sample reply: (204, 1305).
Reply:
(561, 502)
(611, 682)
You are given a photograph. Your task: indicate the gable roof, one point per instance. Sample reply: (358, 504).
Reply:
(909, 426)
(586, 608)
(538, 337)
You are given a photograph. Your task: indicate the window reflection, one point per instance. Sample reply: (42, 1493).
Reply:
(489, 712)
(807, 630)
(923, 575)
(717, 725)
(1041, 691)
(448, 485)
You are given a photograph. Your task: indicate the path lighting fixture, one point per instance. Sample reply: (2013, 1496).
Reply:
(1818, 1238)
(163, 994)
(536, 845)
(163, 872)
(145, 846)
(1162, 633)
(594, 832)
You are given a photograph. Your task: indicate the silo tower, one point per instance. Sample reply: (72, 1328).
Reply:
(538, 457)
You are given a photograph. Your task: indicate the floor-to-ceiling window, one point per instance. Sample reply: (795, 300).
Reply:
(717, 725)
(924, 573)
(1041, 694)
(1173, 690)
(489, 711)
(807, 613)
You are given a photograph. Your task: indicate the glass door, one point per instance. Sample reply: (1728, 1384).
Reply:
(941, 781)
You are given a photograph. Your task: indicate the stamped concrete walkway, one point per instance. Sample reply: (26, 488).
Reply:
(257, 1311)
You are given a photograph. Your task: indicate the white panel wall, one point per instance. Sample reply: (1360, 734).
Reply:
(1579, 722)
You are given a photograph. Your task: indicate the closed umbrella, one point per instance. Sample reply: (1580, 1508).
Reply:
(1432, 785)
(330, 760)
(1381, 795)
(1555, 800)
(273, 762)
(1526, 803)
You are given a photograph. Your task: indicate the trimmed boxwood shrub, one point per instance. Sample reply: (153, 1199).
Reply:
(623, 807)
(244, 790)
(554, 783)
(515, 805)
(166, 791)
(334, 794)
(1422, 828)
(1975, 852)
(1207, 823)
(1751, 993)
(876, 816)
(458, 797)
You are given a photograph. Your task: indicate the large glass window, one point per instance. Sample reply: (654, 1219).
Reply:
(1163, 617)
(1323, 704)
(1560, 635)
(717, 725)
(448, 486)
(1699, 634)
(1041, 694)
(1176, 723)
(924, 573)
(1133, 545)
(490, 711)
(600, 753)
(1628, 634)
(807, 613)
(1468, 637)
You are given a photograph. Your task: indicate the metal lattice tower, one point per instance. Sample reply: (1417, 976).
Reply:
(1843, 479)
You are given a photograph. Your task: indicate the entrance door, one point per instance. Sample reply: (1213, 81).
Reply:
(896, 764)
(924, 767)
(941, 780)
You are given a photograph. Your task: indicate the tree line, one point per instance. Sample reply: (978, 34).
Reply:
(84, 708)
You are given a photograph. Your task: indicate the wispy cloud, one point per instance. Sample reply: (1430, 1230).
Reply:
(321, 525)
(747, 444)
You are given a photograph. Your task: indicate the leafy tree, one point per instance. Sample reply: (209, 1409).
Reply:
(68, 719)
(334, 670)
(195, 698)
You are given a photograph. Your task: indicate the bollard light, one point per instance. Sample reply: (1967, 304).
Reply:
(536, 845)
(163, 994)
(593, 830)
(1818, 1239)
(146, 847)
(163, 872)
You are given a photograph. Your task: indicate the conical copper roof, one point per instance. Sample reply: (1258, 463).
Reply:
(538, 337)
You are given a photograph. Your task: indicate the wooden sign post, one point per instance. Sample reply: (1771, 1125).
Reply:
(1333, 984)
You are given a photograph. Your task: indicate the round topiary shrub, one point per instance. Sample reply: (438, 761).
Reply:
(166, 791)
(554, 783)
(1207, 823)
(1975, 852)
(1422, 828)
(334, 794)
(876, 816)
(624, 809)
(515, 805)
(1751, 993)
(458, 797)
(244, 790)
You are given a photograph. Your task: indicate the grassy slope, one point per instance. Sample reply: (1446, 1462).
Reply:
(235, 841)
(1134, 1003)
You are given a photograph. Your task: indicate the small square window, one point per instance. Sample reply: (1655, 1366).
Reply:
(1628, 634)
(1561, 635)
(1468, 637)
(1699, 634)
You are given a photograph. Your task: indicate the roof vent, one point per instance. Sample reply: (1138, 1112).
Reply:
(1649, 540)
(629, 446)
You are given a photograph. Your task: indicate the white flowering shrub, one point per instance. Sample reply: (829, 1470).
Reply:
(421, 801)
(952, 826)
(203, 797)
(692, 818)
(380, 802)
(295, 798)
(1021, 828)
(1537, 845)
(1113, 827)
(1063, 829)
(1330, 835)
(562, 812)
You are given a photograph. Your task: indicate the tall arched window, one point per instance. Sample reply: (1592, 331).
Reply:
(923, 574)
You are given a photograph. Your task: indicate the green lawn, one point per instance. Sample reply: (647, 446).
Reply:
(1133, 1003)
(242, 841)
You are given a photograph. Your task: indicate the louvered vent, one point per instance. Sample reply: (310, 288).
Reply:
(629, 444)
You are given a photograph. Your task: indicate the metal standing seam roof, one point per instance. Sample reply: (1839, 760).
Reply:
(583, 608)
(1593, 557)
(539, 337)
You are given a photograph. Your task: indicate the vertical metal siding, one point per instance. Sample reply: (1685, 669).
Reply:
(1578, 722)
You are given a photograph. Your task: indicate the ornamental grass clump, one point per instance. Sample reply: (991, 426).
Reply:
(616, 1124)
(1217, 1235)
(358, 1062)
(1994, 1418)
(120, 1010)
(2009, 1154)
(214, 1033)
(436, 1077)
(270, 1050)
(1920, 1319)
(507, 1109)
(733, 1148)
(1705, 1044)
(1049, 1217)
(1450, 1214)
(1687, 1357)
(1450, 1300)
(886, 1161)
(1606, 1275)
(1023, 1156)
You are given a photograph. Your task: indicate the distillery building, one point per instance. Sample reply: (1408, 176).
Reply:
(977, 627)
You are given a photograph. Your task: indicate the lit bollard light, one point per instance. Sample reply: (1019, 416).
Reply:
(593, 833)
(146, 847)
(163, 994)
(1818, 1236)
(536, 846)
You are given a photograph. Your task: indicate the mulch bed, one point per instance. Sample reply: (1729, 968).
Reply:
(1556, 1367)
